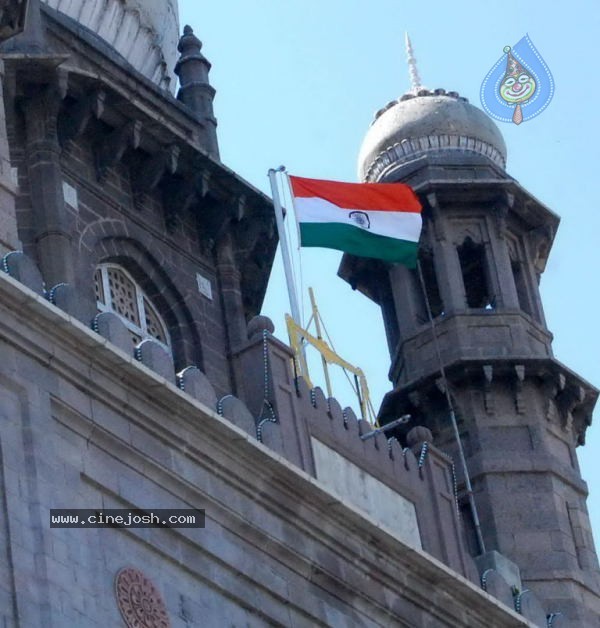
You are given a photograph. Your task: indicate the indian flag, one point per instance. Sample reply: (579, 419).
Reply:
(379, 220)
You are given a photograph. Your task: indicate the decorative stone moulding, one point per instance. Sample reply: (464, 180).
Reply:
(410, 149)
(417, 124)
(139, 601)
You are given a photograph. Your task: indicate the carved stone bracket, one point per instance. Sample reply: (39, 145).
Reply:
(112, 148)
(178, 196)
(520, 378)
(217, 210)
(568, 400)
(150, 172)
(75, 120)
(540, 240)
(500, 212)
(439, 227)
(248, 231)
(551, 387)
(488, 375)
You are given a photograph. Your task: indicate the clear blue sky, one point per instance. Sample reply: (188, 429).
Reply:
(298, 82)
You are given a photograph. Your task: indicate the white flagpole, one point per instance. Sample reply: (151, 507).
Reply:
(285, 253)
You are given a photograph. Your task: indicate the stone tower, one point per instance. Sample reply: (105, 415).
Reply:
(521, 413)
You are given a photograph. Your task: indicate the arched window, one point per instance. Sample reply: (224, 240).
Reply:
(117, 292)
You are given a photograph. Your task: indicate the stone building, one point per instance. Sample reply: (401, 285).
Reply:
(137, 373)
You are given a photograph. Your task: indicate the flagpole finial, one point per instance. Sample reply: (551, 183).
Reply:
(413, 72)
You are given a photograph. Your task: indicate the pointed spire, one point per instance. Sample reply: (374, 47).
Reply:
(195, 89)
(415, 79)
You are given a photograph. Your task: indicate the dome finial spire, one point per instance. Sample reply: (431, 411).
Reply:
(415, 79)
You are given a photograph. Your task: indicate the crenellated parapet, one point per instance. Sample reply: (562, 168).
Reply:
(327, 441)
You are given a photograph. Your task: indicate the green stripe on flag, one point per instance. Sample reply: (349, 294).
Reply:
(357, 241)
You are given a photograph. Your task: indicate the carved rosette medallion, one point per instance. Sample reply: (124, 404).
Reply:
(139, 601)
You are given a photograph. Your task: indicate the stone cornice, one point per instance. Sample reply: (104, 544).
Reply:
(580, 393)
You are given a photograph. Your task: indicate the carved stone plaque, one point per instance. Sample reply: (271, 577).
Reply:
(139, 601)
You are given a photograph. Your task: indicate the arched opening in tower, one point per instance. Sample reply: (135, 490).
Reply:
(473, 266)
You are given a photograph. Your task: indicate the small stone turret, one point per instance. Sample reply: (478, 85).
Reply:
(196, 91)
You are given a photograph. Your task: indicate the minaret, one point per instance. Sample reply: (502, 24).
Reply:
(521, 413)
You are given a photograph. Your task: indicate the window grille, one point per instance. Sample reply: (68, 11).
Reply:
(117, 292)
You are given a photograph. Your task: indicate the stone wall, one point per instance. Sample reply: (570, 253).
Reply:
(84, 424)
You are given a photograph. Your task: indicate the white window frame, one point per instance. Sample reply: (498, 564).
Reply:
(142, 330)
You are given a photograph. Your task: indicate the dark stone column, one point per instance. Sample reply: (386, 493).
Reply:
(9, 240)
(447, 269)
(52, 224)
(503, 282)
(229, 278)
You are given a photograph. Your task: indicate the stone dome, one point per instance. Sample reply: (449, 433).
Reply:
(430, 121)
(145, 32)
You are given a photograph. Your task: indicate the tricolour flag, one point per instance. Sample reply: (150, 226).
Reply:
(379, 220)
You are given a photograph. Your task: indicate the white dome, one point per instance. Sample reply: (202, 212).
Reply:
(145, 32)
(430, 122)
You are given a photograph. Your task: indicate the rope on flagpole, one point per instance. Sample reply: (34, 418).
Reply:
(461, 452)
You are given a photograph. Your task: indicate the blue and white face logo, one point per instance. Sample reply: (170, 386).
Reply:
(360, 219)
(519, 86)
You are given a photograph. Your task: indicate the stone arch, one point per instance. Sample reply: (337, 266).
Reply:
(109, 241)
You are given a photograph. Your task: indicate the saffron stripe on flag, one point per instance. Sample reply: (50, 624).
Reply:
(397, 197)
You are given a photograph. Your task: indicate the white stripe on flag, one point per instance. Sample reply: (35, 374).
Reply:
(402, 225)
